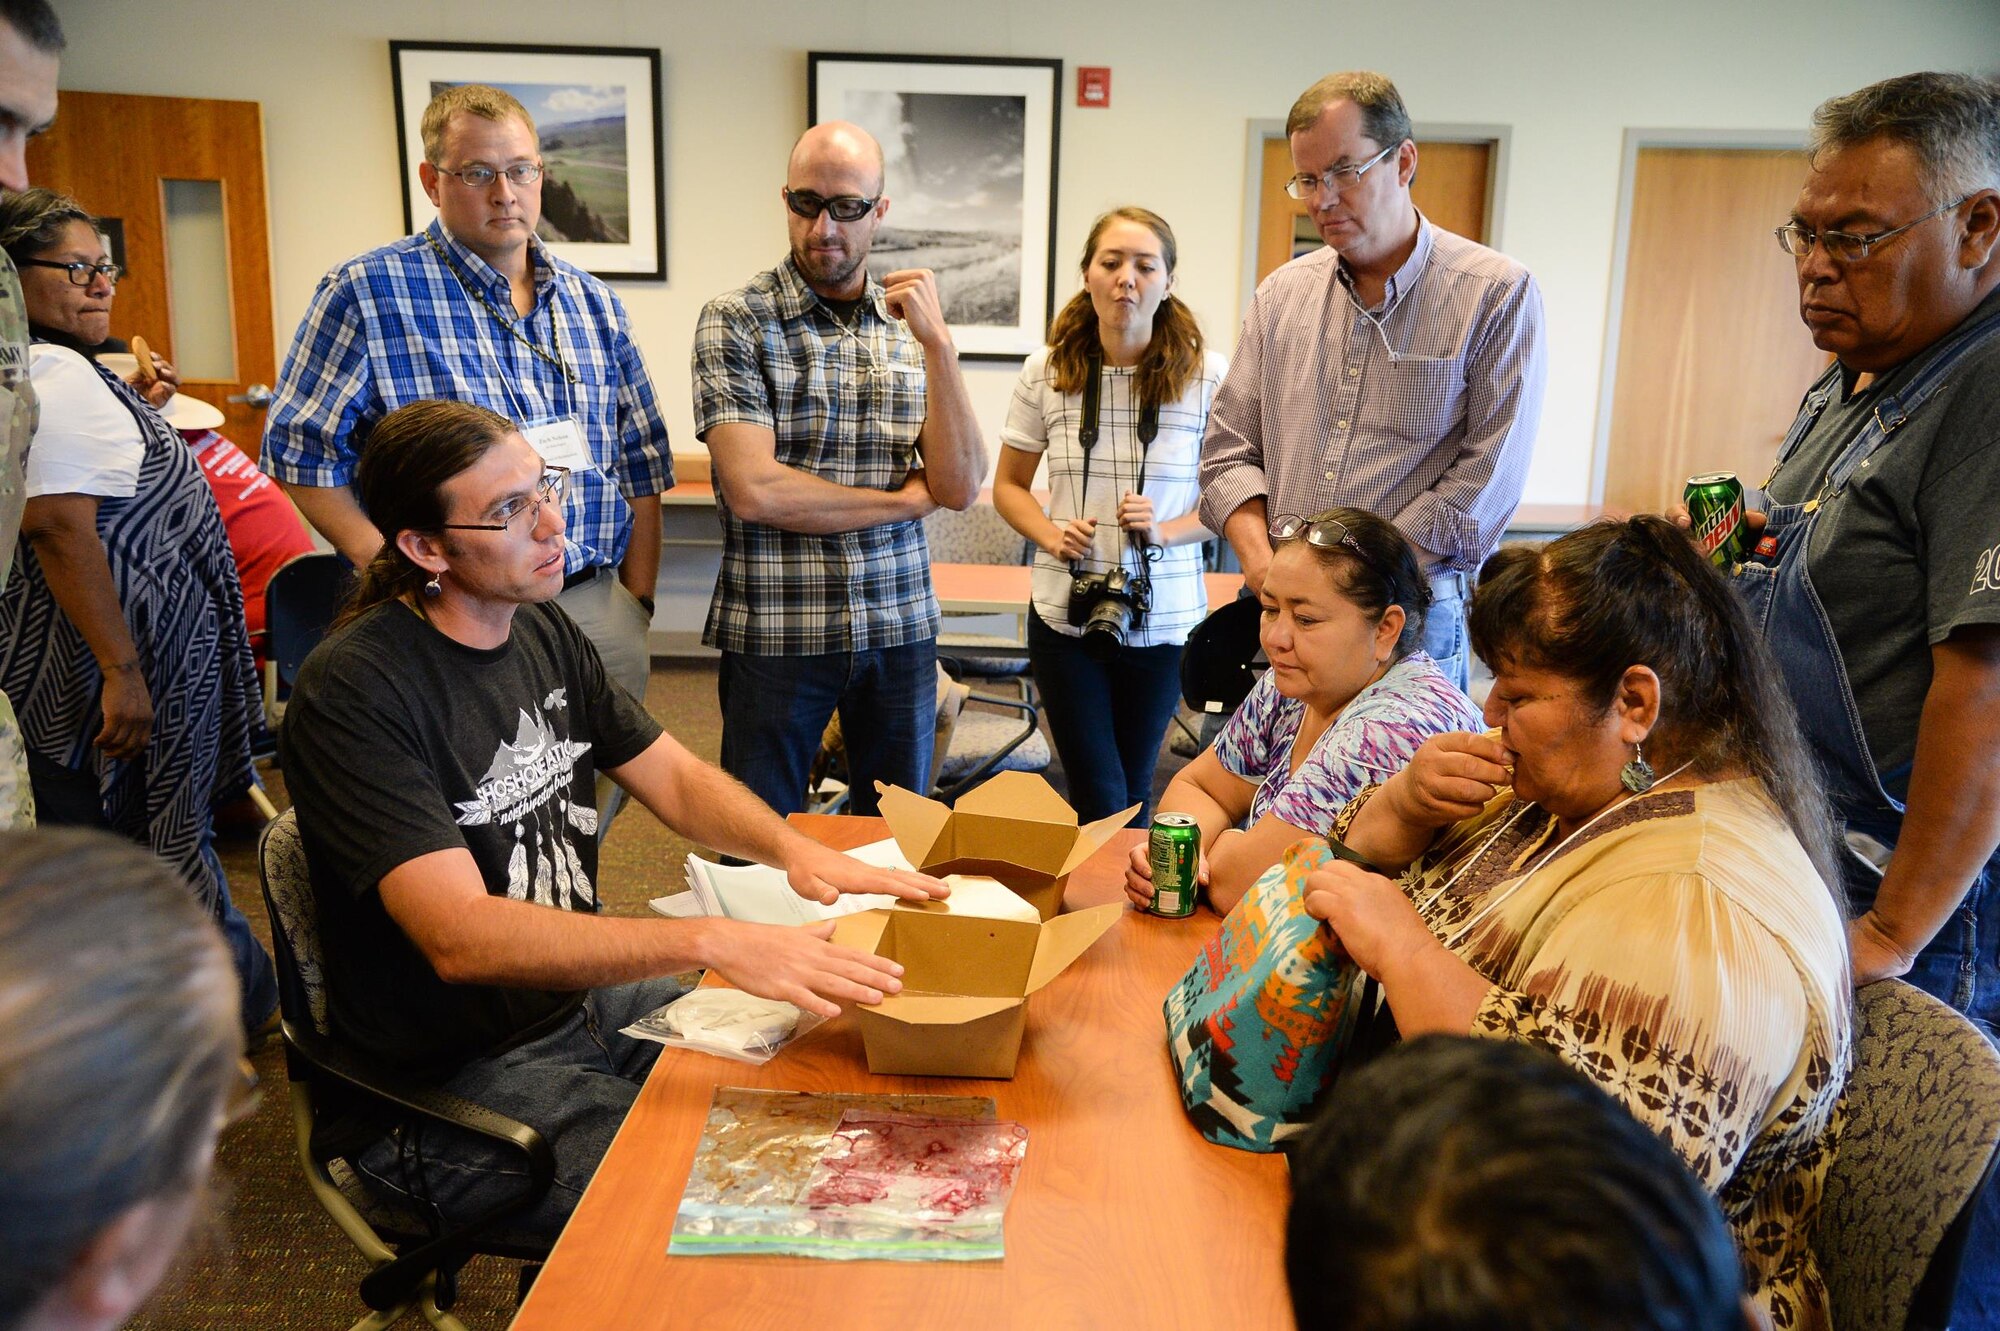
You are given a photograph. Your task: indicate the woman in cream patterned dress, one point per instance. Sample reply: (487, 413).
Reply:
(1636, 870)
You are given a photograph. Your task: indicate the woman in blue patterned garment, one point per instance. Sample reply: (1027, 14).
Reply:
(1348, 699)
(122, 642)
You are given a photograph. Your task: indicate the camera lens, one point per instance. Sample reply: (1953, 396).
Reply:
(1104, 632)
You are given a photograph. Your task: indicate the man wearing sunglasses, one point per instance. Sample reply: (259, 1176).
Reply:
(31, 41)
(836, 415)
(1399, 370)
(475, 308)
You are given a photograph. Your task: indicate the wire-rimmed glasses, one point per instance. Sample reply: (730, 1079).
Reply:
(548, 490)
(1797, 239)
(1335, 179)
(479, 175)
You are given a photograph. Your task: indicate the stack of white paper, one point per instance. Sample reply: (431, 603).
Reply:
(760, 894)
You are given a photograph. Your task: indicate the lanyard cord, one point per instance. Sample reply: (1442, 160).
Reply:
(1086, 436)
(513, 326)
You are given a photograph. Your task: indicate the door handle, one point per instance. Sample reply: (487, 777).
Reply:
(256, 395)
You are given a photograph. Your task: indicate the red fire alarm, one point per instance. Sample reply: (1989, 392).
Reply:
(1093, 85)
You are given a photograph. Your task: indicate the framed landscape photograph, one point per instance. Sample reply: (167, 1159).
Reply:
(597, 112)
(969, 147)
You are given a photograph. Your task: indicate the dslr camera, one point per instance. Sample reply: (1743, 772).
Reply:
(1107, 606)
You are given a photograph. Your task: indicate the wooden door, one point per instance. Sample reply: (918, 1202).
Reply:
(181, 180)
(1712, 357)
(1452, 189)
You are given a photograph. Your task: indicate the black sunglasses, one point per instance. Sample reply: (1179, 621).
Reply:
(845, 207)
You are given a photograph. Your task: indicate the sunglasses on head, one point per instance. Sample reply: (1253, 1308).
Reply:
(844, 207)
(1327, 534)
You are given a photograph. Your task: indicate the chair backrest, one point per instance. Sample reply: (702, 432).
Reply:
(979, 535)
(299, 603)
(1923, 1119)
(288, 898)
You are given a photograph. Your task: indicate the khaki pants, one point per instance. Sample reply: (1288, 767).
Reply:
(616, 625)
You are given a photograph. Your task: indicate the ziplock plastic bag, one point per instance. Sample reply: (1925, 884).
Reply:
(761, 1150)
(726, 1022)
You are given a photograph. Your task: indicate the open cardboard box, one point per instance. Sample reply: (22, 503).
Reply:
(966, 981)
(1014, 828)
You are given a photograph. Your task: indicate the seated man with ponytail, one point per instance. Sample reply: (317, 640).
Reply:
(440, 748)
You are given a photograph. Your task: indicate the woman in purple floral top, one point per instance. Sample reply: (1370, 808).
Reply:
(1347, 700)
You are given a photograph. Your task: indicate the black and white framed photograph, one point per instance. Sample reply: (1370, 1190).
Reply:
(969, 148)
(597, 112)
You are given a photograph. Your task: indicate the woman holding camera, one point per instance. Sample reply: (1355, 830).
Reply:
(1117, 401)
(1349, 698)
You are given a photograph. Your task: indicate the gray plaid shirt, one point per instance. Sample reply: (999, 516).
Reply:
(846, 404)
(1315, 411)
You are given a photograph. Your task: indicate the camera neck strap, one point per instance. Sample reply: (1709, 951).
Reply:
(1087, 432)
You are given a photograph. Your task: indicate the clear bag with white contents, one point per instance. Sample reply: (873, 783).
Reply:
(725, 1022)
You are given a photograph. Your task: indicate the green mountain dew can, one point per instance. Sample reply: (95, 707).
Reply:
(1175, 851)
(1715, 514)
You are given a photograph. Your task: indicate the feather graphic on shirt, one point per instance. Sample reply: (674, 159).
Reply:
(557, 698)
(517, 869)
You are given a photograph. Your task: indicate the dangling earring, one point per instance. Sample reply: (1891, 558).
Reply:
(431, 589)
(1638, 775)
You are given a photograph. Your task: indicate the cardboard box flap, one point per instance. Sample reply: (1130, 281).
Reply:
(963, 955)
(1019, 795)
(1091, 838)
(1067, 937)
(913, 820)
(1029, 842)
(861, 931)
(940, 1009)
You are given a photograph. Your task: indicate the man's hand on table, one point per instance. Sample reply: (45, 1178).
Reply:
(820, 874)
(797, 965)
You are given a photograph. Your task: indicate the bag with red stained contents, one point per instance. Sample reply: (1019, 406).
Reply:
(914, 1170)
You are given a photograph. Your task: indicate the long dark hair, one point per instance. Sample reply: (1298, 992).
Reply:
(409, 456)
(1384, 573)
(1618, 594)
(1173, 356)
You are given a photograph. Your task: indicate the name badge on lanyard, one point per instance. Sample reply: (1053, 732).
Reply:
(561, 443)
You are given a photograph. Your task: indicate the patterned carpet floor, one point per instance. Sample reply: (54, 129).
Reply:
(269, 1257)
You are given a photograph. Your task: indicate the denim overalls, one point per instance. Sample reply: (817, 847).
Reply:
(1962, 964)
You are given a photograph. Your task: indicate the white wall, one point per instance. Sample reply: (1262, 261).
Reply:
(1567, 75)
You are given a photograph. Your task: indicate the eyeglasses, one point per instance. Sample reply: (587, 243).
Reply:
(844, 207)
(1797, 239)
(80, 274)
(479, 175)
(548, 490)
(1326, 533)
(1335, 179)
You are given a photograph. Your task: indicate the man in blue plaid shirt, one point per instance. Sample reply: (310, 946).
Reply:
(476, 309)
(836, 415)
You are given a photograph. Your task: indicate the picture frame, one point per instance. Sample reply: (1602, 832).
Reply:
(971, 147)
(597, 113)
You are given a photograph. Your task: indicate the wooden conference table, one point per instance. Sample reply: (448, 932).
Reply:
(1122, 1215)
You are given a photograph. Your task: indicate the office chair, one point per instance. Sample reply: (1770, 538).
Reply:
(1923, 1121)
(299, 604)
(341, 1100)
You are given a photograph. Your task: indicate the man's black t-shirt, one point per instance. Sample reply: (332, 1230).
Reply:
(399, 741)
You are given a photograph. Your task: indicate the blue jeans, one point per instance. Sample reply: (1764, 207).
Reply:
(573, 1085)
(1444, 629)
(775, 708)
(67, 797)
(1107, 718)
